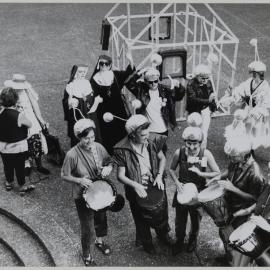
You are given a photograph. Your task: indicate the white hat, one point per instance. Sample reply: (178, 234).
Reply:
(202, 69)
(151, 73)
(82, 125)
(188, 195)
(194, 119)
(192, 134)
(18, 82)
(156, 59)
(134, 122)
(257, 66)
(237, 146)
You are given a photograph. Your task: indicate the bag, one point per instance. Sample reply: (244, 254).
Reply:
(55, 153)
(35, 146)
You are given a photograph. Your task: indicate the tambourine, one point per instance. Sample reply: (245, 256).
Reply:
(102, 195)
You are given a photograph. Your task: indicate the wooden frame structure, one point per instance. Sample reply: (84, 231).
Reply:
(201, 34)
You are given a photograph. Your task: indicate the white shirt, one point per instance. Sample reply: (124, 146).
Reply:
(153, 113)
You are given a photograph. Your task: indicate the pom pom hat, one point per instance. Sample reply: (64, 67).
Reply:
(237, 146)
(201, 70)
(134, 122)
(151, 74)
(81, 125)
(192, 134)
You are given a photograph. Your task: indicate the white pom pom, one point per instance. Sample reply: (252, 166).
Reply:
(156, 59)
(136, 104)
(253, 42)
(212, 57)
(107, 117)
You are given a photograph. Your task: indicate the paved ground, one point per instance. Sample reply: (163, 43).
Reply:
(43, 41)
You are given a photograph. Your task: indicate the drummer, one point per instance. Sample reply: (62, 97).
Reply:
(140, 162)
(82, 164)
(260, 217)
(243, 183)
(190, 172)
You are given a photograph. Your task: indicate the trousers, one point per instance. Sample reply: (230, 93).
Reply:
(91, 222)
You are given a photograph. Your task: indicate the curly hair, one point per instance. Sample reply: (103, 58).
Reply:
(8, 97)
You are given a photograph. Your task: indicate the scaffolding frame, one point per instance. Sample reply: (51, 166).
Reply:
(191, 30)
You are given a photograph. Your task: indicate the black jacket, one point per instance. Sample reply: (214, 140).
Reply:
(198, 96)
(141, 91)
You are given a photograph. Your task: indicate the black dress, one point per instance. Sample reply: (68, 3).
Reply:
(84, 106)
(113, 102)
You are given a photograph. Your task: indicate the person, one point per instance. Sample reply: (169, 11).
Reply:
(158, 101)
(243, 183)
(259, 214)
(201, 97)
(83, 163)
(13, 144)
(79, 101)
(190, 172)
(108, 84)
(141, 164)
(28, 102)
(253, 96)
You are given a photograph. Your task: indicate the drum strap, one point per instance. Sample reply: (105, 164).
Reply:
(83, 158)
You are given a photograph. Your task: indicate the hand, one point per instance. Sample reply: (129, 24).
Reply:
(212, 97)
(85, 182)
(260, 222)
(106, 171)
(141, 190)
(227, 185)
(213, 180)
(158, 181)
(241, 212)
(45, 125)
(142, 71)
(179, 186)
(195, 170)
(98, 99)
(228, 91)
(176, 83)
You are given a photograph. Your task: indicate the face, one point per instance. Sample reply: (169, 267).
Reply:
(203, 79)
(87, 141)
(257, 75)
(152, 83)
(81, 72)
(104, 65)
(237, 158)
(193, 147)
(141, 136)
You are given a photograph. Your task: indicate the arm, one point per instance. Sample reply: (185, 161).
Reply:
(244, 212)
(132, 85)
(66, 173)
(139, 188)
(24, 121)
(173, 167)
(36, 110)
(161, 167)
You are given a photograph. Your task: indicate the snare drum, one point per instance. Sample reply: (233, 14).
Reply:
(153, 208)
(213, 202)
(244, 240)
(102, 195)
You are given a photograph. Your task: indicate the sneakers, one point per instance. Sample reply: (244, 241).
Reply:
(8, 186)
(89, 261)
(26, 188)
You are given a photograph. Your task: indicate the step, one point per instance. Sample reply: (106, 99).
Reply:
(8, 256)
(55, 239)
(25, 244)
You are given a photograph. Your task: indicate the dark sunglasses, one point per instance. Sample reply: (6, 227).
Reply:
(205, 78)
(151, 82)
(101, 63)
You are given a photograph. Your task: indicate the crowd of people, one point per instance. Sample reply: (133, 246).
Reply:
(106, 133)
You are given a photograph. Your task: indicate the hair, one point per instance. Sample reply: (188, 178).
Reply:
(85, 132)
(138, 129)
(9, 97)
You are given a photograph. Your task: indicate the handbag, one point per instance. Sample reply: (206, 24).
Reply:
(35, 146)
(55, 153)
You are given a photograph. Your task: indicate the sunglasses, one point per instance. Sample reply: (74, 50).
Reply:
(151, 82)
(205, 78)
(101, 63)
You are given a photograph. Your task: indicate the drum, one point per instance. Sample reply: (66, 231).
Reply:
(188, 195)
(213, 202)
(244, 240)
(102, 195)
(153, 208)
